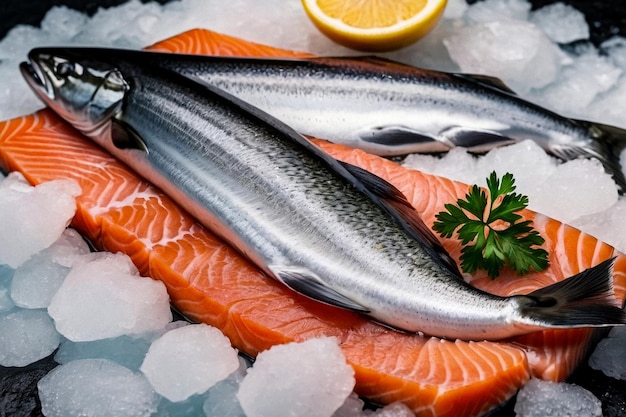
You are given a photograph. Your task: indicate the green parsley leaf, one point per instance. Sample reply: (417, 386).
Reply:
(490, 229)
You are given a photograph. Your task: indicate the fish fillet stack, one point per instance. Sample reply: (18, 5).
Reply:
(210, 282)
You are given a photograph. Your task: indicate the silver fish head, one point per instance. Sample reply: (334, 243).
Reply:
(85, 92)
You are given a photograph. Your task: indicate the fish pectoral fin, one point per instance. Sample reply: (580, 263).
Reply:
(306, 283)
(397, 136)
(488, 81)
(125, 137)
(476, 140)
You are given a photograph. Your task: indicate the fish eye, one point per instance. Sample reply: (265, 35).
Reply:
(64, 69)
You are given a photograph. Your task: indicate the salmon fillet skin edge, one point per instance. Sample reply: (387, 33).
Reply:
(211, 283)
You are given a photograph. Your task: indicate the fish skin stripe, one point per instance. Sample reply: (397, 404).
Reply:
(176, 253)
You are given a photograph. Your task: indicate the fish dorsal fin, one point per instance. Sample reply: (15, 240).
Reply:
(307, 283)
(486, 80)
(394, 201)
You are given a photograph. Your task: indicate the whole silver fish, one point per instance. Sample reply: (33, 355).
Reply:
(388, 108)
(327, 229)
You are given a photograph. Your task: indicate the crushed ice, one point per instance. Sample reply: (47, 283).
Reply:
(315, 387)
(544, 398)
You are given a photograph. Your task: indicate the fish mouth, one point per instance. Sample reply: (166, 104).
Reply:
(34, 72)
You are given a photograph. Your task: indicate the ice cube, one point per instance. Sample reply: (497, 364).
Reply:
(455, 9)
(610, 107)
(63, 22)
(316, 387)
(105, 297)
(6, 275)
(515, 51)
(396, 409)
(545, 398)
(96, 387)
(189, 360)
(526, 160)
(615, 48)
(429, 52)
(33, 217)
(498, 10)
(561, 22)
(127, 351)
(27, 336)
(457, 164)
(610, 354)
(577, 188)
(36, 281)
(609, 226)
(579, 84)
(351, 407)
(191, 407)
(221, 400)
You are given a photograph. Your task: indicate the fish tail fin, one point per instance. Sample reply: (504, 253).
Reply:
(583, 300)
(610, 141)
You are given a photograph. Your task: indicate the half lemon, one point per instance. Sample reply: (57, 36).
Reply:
(374, 25)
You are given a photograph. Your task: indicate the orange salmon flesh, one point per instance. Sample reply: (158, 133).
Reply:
(211, 283)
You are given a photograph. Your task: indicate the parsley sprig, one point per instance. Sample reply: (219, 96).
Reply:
(491, 224)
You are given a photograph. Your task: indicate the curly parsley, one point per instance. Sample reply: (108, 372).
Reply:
(488, 228)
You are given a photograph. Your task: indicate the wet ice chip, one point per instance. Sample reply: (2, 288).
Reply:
(316, 387)
(6, 275)
(34, 217)
(517, 52)
(455, 9)
(27, 336)
(615, 48)
(561, 22)
(610, 354)
(608, 226)
(221, 400)
(351, 407)
(105, 297)
(579, 84)
(36, 281)
(544, 398)
(96, 387)
(396, 409)
(63, 22)
(191, 407)
(354, 407)
(126, 350)
(495, 10)
(577, 188)
(189, 360)
(527, 161)
(610, 107)
(457, 164)
(68, 249)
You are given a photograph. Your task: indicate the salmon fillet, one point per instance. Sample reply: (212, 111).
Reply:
(210, 282)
